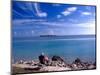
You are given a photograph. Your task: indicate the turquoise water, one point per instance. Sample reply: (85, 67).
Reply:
(67, 48)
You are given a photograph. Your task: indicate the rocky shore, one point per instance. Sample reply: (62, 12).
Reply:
(56, 63)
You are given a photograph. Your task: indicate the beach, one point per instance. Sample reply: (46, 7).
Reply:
(70, 54)
(32, 66)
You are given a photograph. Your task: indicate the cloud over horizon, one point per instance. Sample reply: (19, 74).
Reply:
(32, 19)
(69, 10)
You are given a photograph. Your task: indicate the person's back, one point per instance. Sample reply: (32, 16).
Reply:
(41, 59)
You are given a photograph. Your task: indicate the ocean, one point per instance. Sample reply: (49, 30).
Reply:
(69, 48)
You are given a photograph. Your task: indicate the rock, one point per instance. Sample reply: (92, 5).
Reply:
(28, 62)
(77, 64)
(58, 61)
(57, 58)
(77, 61)
(74, 66)
(91, 67)
(20, 62)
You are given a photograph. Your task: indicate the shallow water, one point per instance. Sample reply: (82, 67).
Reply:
(68, 48)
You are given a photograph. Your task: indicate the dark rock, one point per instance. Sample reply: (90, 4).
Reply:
(77, 61)
(78, 64)
(58, 61)
(57, 58)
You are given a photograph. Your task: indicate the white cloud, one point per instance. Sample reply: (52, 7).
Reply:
(90, 24)
(89, 28)
(66, 12)
(38, 11)
(69, 10)
(43, 14)
(27, 21)
(86, 13)
(71, 29)
(58, 16)
(59, 28)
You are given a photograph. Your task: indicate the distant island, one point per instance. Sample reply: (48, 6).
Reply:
(48, 35)
(54, 37)
(67, 36)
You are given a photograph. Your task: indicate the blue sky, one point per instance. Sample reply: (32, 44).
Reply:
(33, 19)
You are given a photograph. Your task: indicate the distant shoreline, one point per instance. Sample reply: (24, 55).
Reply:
(60, 36)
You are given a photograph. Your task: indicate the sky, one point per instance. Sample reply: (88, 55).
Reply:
(34, 19)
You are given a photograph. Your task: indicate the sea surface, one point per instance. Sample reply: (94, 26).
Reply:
(68, 48)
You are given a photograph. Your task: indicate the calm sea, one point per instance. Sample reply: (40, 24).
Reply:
(68, 48)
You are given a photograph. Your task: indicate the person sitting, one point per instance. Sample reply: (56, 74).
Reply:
(43, 59)
(46, 59)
